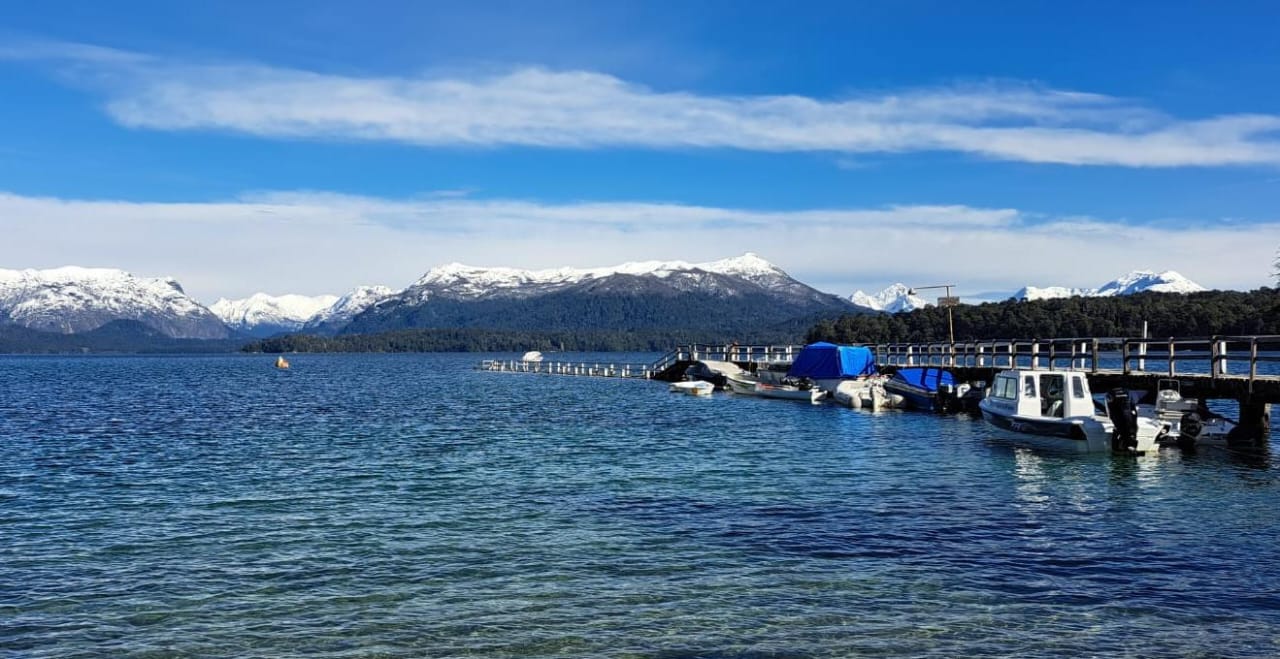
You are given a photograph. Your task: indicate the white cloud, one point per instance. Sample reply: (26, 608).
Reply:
(314, 242)
(583, 109)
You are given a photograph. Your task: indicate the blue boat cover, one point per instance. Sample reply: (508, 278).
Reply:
(828, 360)
(925, 378)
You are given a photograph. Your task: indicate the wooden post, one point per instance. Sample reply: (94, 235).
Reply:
(1253, 362)
(1094, 356)
(1124, 355)
(1171, 358)
(1035, 354)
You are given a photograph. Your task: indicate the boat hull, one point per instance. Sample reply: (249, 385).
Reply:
(1081, 435)
(913, 397)
(785, 392)
(692, 388)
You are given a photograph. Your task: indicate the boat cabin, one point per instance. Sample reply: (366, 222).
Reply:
(1050, 394)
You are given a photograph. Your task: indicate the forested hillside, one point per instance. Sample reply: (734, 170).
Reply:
(1167, 314)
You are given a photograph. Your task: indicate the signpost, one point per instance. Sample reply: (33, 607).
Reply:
(947, 301)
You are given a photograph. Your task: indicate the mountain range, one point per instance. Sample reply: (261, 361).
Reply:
(743, 294)
(898, 297)
(262, 315)
(735, 297)
(72, 300)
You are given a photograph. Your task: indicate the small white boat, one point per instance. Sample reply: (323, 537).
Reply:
(1055, 408)
(282, 363)
(868, 392)
(790, 392)
(692, 388)
(741, 383)
(532, 356)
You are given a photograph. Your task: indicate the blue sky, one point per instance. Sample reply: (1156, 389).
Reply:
(309, 147)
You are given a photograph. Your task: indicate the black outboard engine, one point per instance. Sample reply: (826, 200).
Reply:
(946, 398)
(1189, 429)
(1120, 411)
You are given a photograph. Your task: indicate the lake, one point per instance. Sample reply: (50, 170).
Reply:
(408, 505)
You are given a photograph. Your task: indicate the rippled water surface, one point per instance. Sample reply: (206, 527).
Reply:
(406, 505)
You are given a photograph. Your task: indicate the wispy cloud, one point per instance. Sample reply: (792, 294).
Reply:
(317, 242)
(583, 110)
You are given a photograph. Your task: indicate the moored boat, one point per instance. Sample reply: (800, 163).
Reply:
(715, 372)
(1055, 408)
(692, 388)
(531, 356)
(918, 386)
(868, 392)
(828, 365)
(790, 391)
(1186, 422)
(742, 383)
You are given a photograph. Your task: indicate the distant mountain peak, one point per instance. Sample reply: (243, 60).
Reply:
(896, 297)
(1137, 281)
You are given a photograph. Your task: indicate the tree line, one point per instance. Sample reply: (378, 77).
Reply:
(1167, 314)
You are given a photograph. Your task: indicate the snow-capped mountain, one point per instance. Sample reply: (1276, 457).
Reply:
(1138, 281)
(263, 315)
(73, 299)
(893, 299)
(646, 294)
(462, 281)
(347, 307)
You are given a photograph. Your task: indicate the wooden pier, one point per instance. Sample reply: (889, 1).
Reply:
(1243, 368)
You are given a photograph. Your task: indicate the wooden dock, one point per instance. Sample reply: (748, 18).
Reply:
(1243, 368)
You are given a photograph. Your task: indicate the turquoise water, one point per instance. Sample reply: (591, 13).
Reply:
(406, 505)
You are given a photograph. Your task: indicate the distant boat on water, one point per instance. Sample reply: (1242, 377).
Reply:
(281, 362)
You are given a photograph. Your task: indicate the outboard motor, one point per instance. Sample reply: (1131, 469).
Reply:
(946, 398)
(1120, 411)
(1189, 429)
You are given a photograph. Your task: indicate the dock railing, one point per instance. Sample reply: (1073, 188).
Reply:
(1216, 356)
(730, 352)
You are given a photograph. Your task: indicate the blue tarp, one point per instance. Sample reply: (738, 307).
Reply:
(828, 360)
(925, 378)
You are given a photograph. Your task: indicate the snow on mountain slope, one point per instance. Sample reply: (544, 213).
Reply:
(469, 281)
(347, 306)
(260, 312)
(1138, 281)
(893, 299)
(74, 299)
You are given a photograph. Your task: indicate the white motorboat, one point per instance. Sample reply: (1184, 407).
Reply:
(1055, 408)
(692, 388)
(1185, 421)
(532, 356)
(790, 392)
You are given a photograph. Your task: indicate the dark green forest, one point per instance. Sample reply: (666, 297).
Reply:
(1167, 314)
(486, 340)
